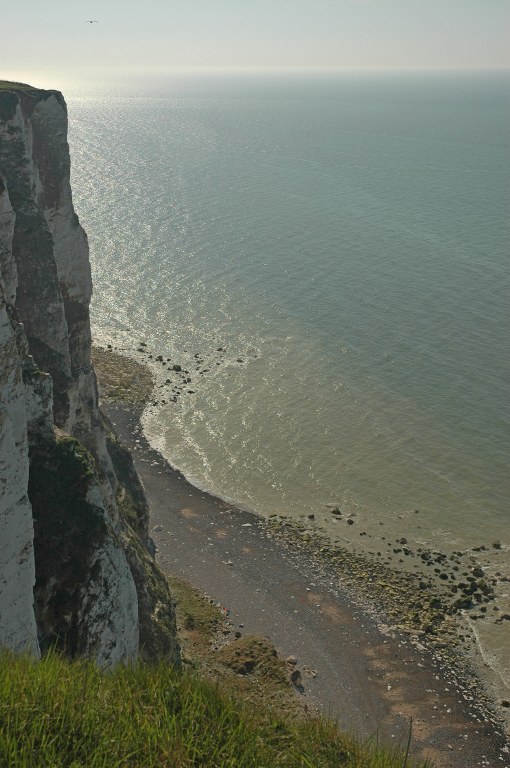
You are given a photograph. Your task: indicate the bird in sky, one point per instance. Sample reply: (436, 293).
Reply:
(91, 21)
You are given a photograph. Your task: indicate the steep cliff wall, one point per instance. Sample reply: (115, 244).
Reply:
(74, 570)
(17, 569)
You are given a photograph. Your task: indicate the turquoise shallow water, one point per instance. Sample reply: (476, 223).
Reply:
(344, 240)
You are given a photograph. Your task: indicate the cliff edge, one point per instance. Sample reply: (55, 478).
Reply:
(75, 567)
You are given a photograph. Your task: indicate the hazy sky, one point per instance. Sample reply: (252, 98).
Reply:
(49, 39)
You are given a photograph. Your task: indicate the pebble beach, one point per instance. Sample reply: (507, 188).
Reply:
(414, 617)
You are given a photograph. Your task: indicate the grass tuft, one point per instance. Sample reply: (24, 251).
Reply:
(70, 714)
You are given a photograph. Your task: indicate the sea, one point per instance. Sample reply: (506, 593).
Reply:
(327, 255)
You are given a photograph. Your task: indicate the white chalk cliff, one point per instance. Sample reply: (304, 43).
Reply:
(74, 572)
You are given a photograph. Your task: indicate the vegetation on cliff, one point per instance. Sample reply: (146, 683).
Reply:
(68, 528)
(155, 605)
(6, 85)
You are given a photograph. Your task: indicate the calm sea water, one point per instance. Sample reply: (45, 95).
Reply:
(345, 241)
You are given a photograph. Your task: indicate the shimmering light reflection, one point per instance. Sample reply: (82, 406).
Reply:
(285, 223)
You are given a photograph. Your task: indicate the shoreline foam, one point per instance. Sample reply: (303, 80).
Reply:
(382, 590)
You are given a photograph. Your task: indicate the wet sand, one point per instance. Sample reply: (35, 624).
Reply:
(356, 666)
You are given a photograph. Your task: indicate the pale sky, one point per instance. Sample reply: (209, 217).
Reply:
(44, 40)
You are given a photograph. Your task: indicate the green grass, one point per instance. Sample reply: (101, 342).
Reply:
(6, 85)
(59, 713)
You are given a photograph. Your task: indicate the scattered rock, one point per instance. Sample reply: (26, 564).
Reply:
(296, 679)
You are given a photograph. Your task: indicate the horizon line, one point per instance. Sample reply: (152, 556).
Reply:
(291, 69)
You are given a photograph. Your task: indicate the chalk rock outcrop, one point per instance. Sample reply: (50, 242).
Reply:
(75, 572)
(17, 569)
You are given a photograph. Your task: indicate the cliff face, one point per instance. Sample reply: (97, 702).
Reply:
(17, 568)
(74, 569)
